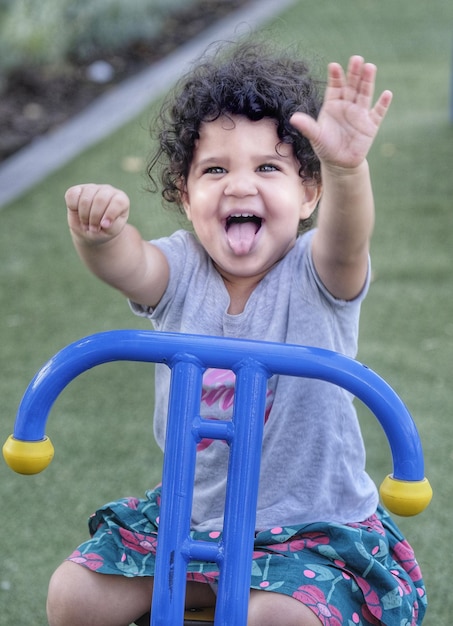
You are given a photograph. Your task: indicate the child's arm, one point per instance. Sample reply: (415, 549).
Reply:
(113, 249)
(341, 137)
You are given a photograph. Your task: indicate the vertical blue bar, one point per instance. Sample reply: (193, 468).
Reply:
(242, 495)
(176, 507)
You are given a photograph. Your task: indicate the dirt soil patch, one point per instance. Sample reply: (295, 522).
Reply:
(38, 99)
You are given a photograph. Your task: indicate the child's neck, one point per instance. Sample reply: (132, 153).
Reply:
(239, 293)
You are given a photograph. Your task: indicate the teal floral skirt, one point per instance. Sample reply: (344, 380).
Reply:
(357, 574)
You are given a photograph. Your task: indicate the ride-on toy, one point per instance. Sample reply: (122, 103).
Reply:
(405, 492)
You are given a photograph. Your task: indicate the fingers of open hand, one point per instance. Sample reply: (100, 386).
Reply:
(381, 107)
(96, 207)
(356, 86)
(335, 82)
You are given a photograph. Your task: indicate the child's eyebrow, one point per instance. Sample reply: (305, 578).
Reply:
(208, 160)
(275, 156)
(261, 158)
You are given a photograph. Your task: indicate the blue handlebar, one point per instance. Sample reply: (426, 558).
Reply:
(28, 450)
(293, 360)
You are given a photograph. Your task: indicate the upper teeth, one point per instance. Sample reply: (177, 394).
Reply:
(242, 215)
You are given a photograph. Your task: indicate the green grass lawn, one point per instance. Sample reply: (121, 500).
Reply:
(101, 425)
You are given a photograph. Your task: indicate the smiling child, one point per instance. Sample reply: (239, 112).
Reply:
(248, 148)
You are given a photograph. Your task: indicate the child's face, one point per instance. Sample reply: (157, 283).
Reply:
(245, 199)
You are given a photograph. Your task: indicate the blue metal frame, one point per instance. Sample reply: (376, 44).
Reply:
(253, 363)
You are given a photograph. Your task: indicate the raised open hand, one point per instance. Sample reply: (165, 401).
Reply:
(348, 122)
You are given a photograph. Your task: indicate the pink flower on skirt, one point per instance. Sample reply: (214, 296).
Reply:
(131, 503)
(404, 555)
(369, 616)
(372, 610)
(314, 598)
(90, 560)
(138, 542)
(307, 540)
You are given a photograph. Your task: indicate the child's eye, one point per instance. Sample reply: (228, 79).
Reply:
(268, 167)
(215, 169)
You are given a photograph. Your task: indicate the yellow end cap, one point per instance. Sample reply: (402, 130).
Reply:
(406, 497)
(28, 457)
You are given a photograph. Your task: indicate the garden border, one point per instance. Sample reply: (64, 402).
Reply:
(122, 103)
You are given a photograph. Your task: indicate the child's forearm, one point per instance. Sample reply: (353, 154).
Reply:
(342, 136)
(128, 263)
(345, 226)
(346, 215)
(110, 247)
(113, 260)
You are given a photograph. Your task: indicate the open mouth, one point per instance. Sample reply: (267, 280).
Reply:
(241, 229)
(247, 218)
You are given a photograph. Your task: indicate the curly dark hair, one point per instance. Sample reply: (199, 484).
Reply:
(237, 79)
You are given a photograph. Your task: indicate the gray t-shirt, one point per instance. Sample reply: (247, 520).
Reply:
(313, 457)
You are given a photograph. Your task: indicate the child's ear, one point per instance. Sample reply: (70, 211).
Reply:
(313, 191)
(184, 196)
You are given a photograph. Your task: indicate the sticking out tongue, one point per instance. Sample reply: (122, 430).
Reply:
(241, 236)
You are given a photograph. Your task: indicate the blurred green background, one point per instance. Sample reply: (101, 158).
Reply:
(101, 425)
(56, 32)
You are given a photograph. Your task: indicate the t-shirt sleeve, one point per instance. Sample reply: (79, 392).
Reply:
(326, 293)
(175, 249)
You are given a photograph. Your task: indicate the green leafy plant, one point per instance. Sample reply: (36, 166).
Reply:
(53, 31)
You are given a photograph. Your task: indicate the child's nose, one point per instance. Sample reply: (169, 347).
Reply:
(240, 184)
